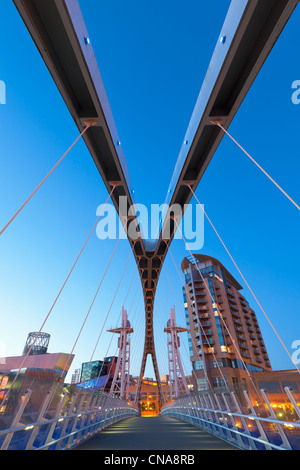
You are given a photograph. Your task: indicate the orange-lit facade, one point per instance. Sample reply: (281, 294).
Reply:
(224, 333)
(150, 403)
(40, 374)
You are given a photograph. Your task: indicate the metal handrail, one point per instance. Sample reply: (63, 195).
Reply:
(207, 407)
(240, 415)
(248, 436)
(112, 412)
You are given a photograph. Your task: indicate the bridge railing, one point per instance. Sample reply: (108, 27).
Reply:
(59, 419)
(248, 419)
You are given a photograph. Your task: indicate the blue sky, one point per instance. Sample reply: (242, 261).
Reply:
(153, 59)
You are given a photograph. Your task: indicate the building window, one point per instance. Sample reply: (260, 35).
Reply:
(220, 381)
(198, 365)
(201, 384)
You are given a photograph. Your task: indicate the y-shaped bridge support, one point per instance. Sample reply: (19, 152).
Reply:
(249, 33)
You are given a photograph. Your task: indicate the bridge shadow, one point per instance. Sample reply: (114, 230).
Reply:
(154, 433)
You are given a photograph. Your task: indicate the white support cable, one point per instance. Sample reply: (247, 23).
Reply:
(217, 123)
(159, 335)
(179, 360)
(139, 321)
(244, 279)
(184, 345)
(137, 328)
(130, 285)
(195, 347)
(106, 318)
(55, 301)
(200, 325)
(138, 341)
(136, 308)
(219, 313)
(91, 305)
(170, 304)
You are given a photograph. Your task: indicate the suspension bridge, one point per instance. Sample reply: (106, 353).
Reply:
(50, 414)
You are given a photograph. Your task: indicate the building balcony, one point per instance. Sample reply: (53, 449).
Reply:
(233, 308)
(208, 333)
(202, 308)
(239, 330)
(203, 315)
(200, 315)
(199, 291)
(242, 338)
(236, 315)
(244, 354)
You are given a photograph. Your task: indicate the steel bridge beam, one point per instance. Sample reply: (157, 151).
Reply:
(248, 35)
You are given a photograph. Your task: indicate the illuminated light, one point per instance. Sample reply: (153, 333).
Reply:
(87, 41)
(222, 39)
(60, 420)
(28, 428)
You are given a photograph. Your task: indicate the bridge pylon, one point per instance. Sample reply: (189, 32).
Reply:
(120, 382)
(178, 383)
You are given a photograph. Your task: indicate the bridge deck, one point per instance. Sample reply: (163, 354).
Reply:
(157, 433)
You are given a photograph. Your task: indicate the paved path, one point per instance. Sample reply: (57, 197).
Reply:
(160, 433)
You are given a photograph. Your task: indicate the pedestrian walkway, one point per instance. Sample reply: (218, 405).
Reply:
(155, 433)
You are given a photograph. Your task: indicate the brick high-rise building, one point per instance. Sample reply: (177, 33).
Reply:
(224, 332)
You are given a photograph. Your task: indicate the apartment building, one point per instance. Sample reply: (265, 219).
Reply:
(225, 340)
